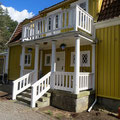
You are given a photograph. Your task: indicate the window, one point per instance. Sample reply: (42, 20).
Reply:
(84, 58)
(72, 58)
(83, 6)
(27, 59)
(49, 24)
(57, 21)
(48, 60)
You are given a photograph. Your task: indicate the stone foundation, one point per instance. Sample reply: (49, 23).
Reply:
(71, 102)
(110, 104)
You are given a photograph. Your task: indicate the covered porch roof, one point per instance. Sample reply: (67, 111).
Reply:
(66, 38)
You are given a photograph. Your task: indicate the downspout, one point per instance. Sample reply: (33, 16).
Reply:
(96, 87)
(93, 104)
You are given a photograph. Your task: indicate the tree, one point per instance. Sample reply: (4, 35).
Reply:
(7, 27)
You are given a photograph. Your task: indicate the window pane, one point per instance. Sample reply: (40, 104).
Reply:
(48, 60)
(57, 21)
(83, 6)
(28, 59)
(49, 27)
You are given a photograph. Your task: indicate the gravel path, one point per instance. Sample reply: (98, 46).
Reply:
(10, 110)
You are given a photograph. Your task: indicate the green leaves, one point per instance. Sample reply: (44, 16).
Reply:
(7, 27)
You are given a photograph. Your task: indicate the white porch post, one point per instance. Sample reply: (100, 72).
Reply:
(36, 62)
(77, 66)
(93, 65)
(22, 60)
(53, 64)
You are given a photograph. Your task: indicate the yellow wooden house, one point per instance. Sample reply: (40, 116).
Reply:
(72, 50)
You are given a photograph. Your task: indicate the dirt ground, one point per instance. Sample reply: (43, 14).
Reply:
(96, 114)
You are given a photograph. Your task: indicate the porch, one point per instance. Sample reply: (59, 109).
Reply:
(57, 77)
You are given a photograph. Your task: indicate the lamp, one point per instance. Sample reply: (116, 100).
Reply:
(63, 46)
(29, 49)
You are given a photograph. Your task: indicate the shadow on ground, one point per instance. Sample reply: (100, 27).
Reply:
(5, 92)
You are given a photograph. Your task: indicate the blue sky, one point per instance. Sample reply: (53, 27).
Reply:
(21, 9)
(31, 5)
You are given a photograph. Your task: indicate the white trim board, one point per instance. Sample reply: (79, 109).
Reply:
(108, 23)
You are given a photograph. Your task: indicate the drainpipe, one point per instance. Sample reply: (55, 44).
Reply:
(95, 89)
(92, 105)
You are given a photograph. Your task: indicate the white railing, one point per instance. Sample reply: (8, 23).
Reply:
(39, 88)
(85, 81)
(63, 81)
(84, 20)
(22, 84)
(73, 18)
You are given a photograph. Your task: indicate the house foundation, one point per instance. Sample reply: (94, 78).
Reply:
(110, 104)
(72, 102)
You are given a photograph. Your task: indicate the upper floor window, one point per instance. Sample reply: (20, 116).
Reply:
(49, 23)
(27, 59)
(57, 21)
(83, 6)
(40, 26)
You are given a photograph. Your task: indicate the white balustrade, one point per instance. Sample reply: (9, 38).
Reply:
(22, 84)
(39, 88)
(63, 81)
(74, 17)
(85, 81)
(85, 20)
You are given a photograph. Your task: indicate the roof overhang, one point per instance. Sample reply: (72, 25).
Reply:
(108, 23)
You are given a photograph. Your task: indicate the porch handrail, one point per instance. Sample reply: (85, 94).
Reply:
(22, 84)
(85, 81)
(39, 88)
(63, 81)
(84, 20)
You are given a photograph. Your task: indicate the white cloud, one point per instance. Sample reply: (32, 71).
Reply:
(18, 15)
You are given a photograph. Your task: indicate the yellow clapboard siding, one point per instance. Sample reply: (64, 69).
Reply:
(108, 62)
(14, 62)
(105, 60)
(117, 62)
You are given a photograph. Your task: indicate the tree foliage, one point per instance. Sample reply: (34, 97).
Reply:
(7, 27)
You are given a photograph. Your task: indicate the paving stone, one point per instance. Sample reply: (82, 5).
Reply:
(12, 110)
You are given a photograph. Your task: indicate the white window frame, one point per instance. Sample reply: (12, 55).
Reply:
(81, 1)
(57, 22)
(88, 63)
(81, 64)
(47, 55)
(72, 54)
(49, 25)
(28, 65)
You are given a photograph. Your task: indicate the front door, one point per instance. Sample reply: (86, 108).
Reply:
(1, 66)
(60, 61)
